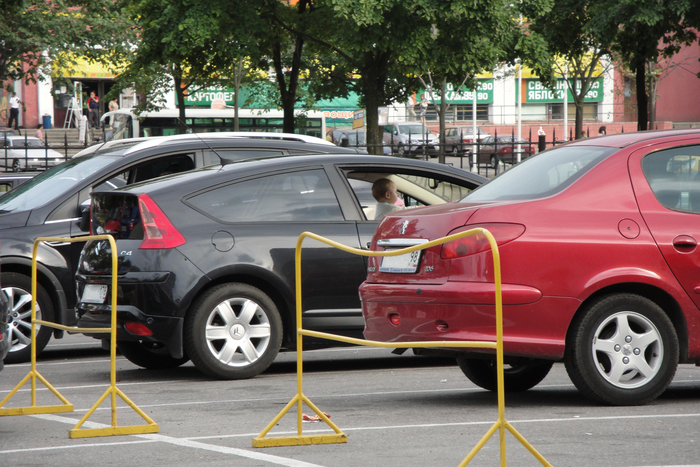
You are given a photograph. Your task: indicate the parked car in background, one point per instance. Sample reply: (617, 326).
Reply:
(459, 140)
(4, 329)
(410, 138)
(52, 205)
(7, 132)
(206, 258)
(598, 242)
(354, 138)
(493, 150)
(10, 180)
(27, 153)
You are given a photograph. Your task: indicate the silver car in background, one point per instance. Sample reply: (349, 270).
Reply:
(27, 153)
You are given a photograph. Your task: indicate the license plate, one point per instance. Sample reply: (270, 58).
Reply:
(94, 293)
(400, 264)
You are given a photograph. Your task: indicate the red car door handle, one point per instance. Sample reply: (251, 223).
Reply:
(684, 242)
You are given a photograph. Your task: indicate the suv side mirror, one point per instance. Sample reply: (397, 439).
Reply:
(85, 219)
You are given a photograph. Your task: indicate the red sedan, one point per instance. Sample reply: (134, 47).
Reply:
(600, 268)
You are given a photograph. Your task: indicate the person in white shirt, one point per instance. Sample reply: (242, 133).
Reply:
(14, 111)
(384, 191)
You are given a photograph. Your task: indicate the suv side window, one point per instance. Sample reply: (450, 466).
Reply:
(161, 166)
(291, 197)
(172, 163)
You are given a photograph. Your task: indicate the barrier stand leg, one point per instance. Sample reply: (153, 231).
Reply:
(501, 424)
(76, 432)
(33, 374)
(113, 391)
(339, 437)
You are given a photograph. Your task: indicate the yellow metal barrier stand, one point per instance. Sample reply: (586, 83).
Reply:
(501, 424)
(76, 432)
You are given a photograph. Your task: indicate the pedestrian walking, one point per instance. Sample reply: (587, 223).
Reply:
(113, 105)
(14, 111)
(93, 109)
(423, 108)
(39, 134)
(602, 131)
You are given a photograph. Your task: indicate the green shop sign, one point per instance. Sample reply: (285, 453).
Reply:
(536, 93)
(484, 93)
(206, 96)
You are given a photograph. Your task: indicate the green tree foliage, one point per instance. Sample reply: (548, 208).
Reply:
(282, 44)
(375, 49)
(35, 34)
(186, 45)
(641, 31)
(575, 49)
(468, 38)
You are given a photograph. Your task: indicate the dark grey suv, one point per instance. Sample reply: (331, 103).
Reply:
(206, 258)
(51, 205)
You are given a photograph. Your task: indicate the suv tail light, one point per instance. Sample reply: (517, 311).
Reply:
(477, 243)
(158, 231)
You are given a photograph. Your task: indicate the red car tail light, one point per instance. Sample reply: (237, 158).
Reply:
(158, 231)
(477, 243)
(137, 329)
(394, 319)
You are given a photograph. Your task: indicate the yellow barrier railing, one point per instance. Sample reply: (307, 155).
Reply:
(112, 391)
(339, 437)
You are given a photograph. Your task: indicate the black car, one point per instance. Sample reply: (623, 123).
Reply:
(51, 204)
(206, 258)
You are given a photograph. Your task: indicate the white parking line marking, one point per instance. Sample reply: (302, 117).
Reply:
(68, 362)
(178, 442)
(195, 444)
(457, 424)
(52, 448)
(89, 386)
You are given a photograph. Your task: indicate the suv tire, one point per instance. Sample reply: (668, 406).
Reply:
(149, 355)
(18, 289)
(233, 331)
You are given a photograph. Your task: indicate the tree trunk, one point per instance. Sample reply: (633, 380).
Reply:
(289, 94)
(180, 93)
(372, 87)
(642, 114)
(653, 82)
(236, 88)
(441, 116)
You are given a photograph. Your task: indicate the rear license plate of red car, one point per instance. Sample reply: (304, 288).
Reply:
(401, 264)
(94, 293)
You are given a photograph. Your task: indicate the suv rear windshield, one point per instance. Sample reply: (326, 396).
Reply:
(543, 175)
(117, 214)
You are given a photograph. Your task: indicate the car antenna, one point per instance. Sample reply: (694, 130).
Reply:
(223, 161)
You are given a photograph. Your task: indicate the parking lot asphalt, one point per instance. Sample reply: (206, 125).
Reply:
(396, 410)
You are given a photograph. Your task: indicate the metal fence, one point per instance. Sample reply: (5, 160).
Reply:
(486, 156)
(16, 157)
